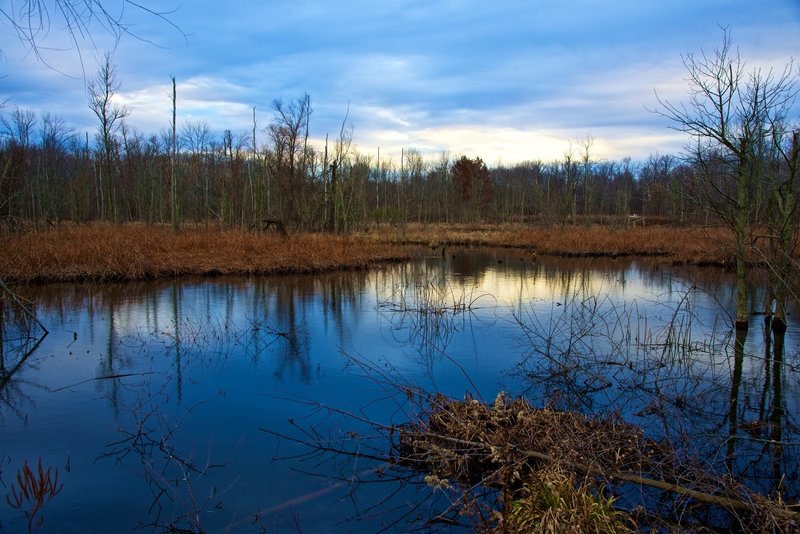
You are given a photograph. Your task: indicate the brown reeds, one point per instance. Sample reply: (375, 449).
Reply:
(139, 252)
(680, 245)
(105, 252)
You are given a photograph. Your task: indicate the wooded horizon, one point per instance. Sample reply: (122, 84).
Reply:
(51, 173)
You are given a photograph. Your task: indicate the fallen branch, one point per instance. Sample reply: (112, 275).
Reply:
(104, 377)
(700, 496)
(465, 441)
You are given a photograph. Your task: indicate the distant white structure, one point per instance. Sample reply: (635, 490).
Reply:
(635, 219)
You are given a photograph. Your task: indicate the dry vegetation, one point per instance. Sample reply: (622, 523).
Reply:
(675, 244)
(556, 471)
(139, 252)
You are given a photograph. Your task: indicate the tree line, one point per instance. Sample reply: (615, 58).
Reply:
(48, 172)
(189, 174)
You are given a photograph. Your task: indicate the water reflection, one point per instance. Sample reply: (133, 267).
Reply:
(20, 337)
(669, 361)
(185, 373)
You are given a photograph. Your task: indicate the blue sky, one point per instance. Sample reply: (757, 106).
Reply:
(503, 80)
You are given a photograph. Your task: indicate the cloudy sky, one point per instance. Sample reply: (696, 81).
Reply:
(503, 80)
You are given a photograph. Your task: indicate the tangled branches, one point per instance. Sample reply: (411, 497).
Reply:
(531, 455)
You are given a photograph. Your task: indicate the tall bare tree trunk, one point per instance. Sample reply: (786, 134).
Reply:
(741, 224)
(176, 220)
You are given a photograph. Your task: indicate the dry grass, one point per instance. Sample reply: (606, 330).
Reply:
(554, 502)
(675, 245)
(139, 252)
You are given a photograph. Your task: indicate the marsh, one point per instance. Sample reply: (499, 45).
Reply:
(181, 403)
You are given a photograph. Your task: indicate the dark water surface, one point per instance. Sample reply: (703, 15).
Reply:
(159, 403)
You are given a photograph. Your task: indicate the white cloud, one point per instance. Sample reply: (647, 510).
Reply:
(496, 144)
(201, 98)
(503, 80)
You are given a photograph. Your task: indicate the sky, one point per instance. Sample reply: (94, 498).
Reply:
(506, 81)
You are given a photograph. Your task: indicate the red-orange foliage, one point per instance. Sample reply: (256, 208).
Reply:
(472, 181)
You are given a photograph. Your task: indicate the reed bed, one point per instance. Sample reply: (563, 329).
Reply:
(105, 252)
(704, 246)
(138, 252)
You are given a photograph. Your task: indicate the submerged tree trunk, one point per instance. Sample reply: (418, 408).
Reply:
(740, 229)
(784, 232)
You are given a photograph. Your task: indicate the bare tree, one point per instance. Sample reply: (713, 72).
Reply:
(173, 156)
(32, 20)
(101, 94)
(654, 176)
(196, 138)
(586, 172)
(289, 135)
(251, 161)
(728, 116)
(335, 203)
(234, 147)
(19, 126)
(782, 175)
(16, 132)
(54, 136)
(569, 174)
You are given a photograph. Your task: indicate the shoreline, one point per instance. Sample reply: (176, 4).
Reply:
(136, 252)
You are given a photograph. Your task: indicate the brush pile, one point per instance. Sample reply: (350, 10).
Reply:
(511, 446)
(476, 441)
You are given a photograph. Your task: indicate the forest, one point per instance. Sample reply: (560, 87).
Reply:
(739, 167)
(190, 174)
(50, 173)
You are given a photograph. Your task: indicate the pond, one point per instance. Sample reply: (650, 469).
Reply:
(193, 403)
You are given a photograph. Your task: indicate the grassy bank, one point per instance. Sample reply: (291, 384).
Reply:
(674, 245)
(139, 252)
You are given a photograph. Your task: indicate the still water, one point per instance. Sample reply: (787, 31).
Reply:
(181, 402)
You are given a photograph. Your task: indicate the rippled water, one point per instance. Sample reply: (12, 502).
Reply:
(166, 402)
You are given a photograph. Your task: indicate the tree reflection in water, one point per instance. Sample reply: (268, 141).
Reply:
(20, 335)
(705, 389)
(199, 366)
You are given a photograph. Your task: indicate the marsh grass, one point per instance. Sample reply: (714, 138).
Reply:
(431, 312)
(432, 297)
(679, 245)
(589, 349)
(552, 501)
(105, 252)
